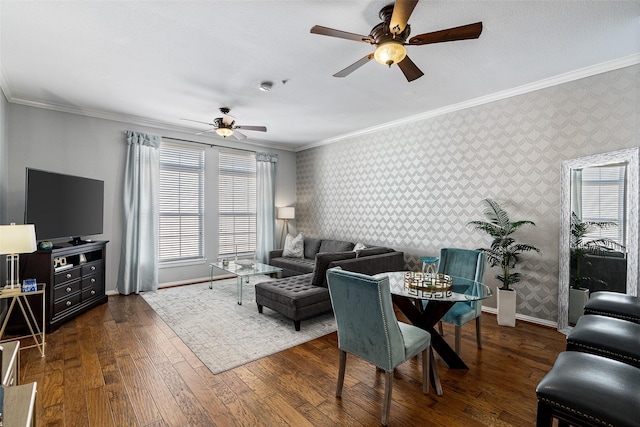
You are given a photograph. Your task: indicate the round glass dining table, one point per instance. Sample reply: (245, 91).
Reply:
(425, 309)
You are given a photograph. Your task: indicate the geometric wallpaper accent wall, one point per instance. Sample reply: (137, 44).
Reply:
(415, 187)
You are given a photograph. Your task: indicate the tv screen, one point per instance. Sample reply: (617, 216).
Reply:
(63, 206)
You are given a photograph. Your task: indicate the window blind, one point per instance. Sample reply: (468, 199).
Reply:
(181, 203)
(603, 199)
(237, 199)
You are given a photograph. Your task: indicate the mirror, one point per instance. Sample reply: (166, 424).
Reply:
(575, 198)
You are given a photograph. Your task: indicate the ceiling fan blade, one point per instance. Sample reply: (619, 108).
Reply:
(465, 32)
(256, 128)
(401, 12)
(351, 68)
(409, 69)
(197, 121)
(206, 131)
(239, 135)
(325, 31)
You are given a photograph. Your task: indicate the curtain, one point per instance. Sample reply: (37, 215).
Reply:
(139, 252)
(265, 205)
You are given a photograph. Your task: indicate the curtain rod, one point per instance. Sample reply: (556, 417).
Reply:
(209, 144)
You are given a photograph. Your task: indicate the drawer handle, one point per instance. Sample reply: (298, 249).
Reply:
(68, 275)
(69, 289)
(93, 267)
(93, 292)
(69, 303)
(93, 280)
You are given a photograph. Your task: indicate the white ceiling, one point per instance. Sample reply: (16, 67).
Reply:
(155, 62)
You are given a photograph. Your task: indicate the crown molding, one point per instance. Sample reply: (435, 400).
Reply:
(581, 73)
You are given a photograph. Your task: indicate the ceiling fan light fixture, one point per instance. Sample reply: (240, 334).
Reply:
(224, 132)
(389, 53)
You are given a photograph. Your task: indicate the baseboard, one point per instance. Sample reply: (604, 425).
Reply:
(529, 319)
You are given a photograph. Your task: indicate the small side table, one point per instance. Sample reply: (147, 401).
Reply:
(10, 363)
(20, 406)
(37, 331)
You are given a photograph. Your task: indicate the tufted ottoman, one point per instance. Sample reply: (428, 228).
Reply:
(294, 297)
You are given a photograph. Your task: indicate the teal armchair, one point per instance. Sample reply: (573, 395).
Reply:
(468, 264)
(368, 328)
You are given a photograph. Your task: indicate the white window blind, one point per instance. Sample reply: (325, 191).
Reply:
(237, 198)
(181, 203)
(603, 199)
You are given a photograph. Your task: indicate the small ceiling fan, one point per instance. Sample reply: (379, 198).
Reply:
(225, 126)
(390, 38)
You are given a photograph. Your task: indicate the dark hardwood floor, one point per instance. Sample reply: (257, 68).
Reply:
(121, 365)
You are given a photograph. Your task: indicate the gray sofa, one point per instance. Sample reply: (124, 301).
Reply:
(303, 292)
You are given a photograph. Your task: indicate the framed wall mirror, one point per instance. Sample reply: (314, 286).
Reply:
(601, 189)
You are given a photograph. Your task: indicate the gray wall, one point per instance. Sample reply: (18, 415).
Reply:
(95, 148)
(416, 186)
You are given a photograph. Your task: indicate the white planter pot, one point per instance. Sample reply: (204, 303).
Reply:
(507, 307)
(577, 299)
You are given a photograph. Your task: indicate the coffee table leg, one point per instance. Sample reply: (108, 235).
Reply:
(210, 276)
(239, 282)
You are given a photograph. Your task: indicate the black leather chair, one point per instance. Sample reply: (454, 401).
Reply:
(608, 337)
(588, 390)
(614, 304)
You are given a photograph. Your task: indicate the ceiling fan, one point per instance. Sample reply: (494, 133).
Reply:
(225, 126)
(390, 38)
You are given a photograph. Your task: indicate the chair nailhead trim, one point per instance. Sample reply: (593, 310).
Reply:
(576, 412)
(602, 350)
(614, 315)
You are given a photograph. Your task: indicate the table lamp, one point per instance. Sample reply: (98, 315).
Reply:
(286, 213)
(15, 240)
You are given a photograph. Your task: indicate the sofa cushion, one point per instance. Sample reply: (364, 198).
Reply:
(376, 250)
(294, 265)
(335, 246)
(293, 246)
(311, 247)
(323, 259)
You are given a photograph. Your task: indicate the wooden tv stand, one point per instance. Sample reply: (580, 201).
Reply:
(75, 278)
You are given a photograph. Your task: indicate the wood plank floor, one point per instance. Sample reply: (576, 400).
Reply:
(121, 365)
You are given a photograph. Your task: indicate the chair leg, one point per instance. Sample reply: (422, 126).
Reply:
(343, 364)
(440, 331)
(435, 379)
(479, 331)
(457, 348)
(388, 387)
(426, 365)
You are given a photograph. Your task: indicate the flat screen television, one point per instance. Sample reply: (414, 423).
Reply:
(63, 206)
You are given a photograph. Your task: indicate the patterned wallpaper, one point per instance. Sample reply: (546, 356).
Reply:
(416, 186)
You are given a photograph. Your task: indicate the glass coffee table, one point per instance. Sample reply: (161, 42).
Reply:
(243, 269)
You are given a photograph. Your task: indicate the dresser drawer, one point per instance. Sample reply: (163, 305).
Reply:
(67, 275)
(66, 304)
(92, 291)
(91, 281)
(66, 289)
(91, 267)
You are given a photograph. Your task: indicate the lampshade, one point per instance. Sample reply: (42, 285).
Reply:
(17, 239)
(390, 52)
(224, 132)
(287, 212)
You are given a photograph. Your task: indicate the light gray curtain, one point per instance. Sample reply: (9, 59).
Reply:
(265, 204)
(139, 253)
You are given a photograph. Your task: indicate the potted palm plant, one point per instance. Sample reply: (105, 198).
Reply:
(504, 253)
(580, 246)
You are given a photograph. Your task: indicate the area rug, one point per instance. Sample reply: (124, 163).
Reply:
(222, 333)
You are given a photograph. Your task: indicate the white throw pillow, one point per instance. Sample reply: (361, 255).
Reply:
(293, 246)
(359, 246)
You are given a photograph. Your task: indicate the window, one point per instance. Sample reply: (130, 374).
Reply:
(181, 203)
(603, 200)
(237, 197)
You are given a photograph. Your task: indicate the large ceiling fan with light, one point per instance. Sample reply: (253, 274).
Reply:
(390, 38)
(225, 126)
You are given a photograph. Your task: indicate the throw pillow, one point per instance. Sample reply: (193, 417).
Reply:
(359, 246)
(293, 246)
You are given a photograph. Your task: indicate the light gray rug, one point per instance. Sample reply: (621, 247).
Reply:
(222, 333)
